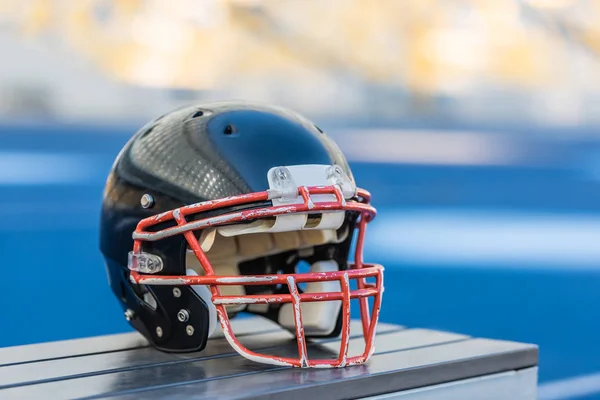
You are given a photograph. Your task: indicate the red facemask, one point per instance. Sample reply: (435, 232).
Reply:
(143, 268)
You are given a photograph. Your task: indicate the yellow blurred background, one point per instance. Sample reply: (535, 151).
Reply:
(379, 57)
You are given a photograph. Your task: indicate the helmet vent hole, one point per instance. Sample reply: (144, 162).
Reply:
(147, 132)
(198, 114)
(229, 129)
(319, 129)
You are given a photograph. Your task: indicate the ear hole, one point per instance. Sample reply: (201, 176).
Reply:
(198, 114)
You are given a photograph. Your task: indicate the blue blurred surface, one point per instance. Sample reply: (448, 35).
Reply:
(54, 283)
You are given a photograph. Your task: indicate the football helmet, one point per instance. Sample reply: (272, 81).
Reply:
(212, 210)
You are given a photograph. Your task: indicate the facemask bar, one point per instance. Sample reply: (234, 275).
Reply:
(357, 270)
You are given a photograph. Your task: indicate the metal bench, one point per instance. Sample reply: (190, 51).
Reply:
(408, 363)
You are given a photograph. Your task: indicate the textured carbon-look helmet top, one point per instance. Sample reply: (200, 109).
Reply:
(211, 210)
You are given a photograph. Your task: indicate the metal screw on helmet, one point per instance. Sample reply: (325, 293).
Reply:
(159, 331)
(183, 315)
(147, 201)
(335, 171)
(129, 314)
(281, 173)
(189, 330)
(282, 182)
(176, 292)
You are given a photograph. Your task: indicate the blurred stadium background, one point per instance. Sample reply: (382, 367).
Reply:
(474, 124)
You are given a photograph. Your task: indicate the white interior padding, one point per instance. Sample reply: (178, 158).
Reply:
(318, 318)
(330, 220)
(226, 252)
(220, 268)
(204, 292)
(207, 239)
(227, 246)
(221, 249)
(287, 223)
